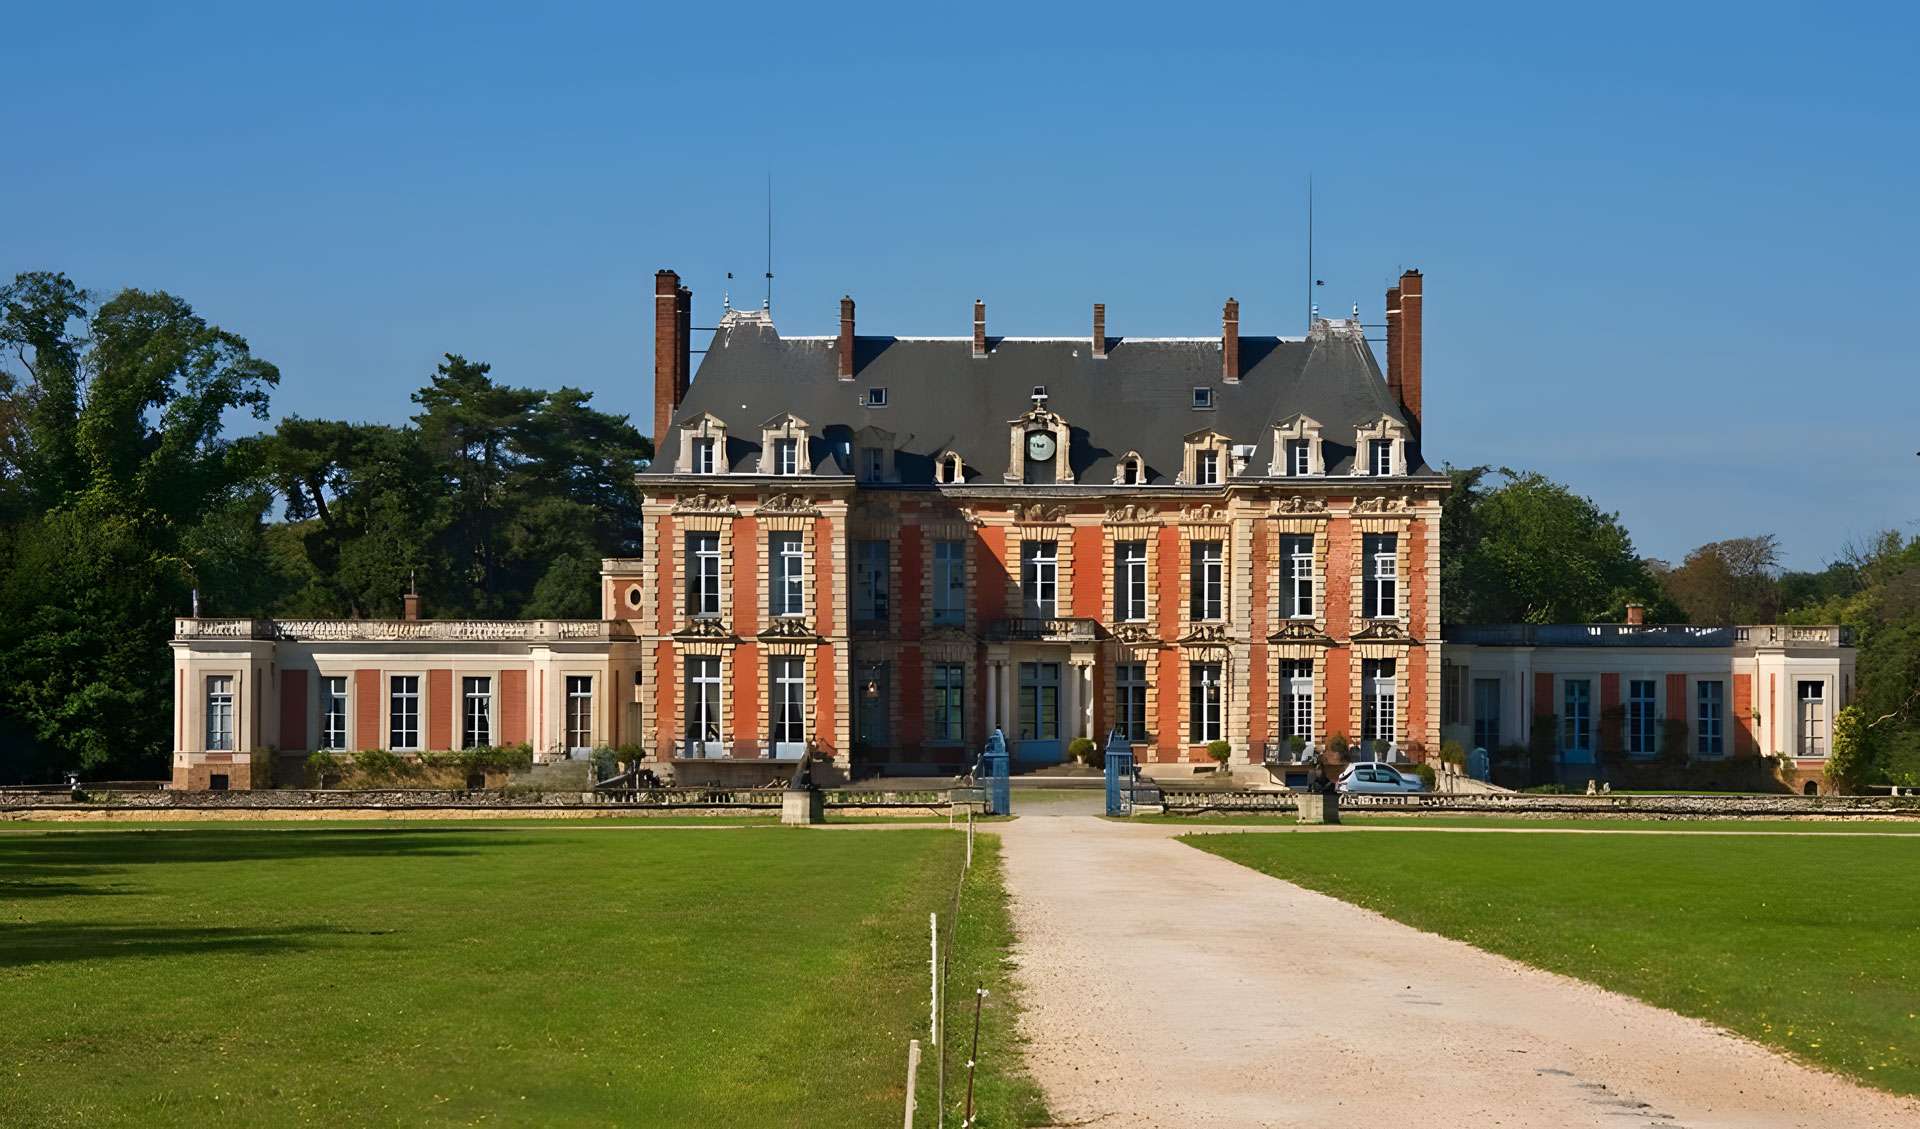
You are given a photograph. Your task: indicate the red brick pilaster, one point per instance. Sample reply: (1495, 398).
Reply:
(293, 710)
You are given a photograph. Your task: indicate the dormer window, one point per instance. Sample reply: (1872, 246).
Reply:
(1380, 456)
(876, 397)
(703, 446)
(1202, 398)
(1297, 451)
(949, 468)
(1380, 447)
(1131, 470)
(703, 456)
(873, 464)
(786, 456)
(1299, 457)
(1206, 466)
(783, 442)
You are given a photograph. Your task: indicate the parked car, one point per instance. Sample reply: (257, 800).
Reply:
(1377, 778)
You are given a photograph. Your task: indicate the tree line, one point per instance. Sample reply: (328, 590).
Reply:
(122, 493)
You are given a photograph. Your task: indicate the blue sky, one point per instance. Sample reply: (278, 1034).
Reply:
(1668, 248)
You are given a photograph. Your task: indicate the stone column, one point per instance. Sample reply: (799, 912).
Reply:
(993, 699)
(1069, 706)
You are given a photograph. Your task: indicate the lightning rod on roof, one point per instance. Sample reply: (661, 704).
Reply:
(769, 303)
(1310, 312)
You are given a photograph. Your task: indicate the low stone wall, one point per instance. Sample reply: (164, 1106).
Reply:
(1614, 806)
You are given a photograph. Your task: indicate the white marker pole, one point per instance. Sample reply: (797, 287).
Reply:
(913, 1072)
(933, 963)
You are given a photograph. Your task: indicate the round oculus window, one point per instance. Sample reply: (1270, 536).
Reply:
(633, 596)
(1040, 445)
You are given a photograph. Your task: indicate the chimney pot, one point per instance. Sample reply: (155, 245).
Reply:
(1099, 329)
(1230, 342)
(412, 602)
(846, 338)
(979, 328)
(1636, 615)
(672, 349)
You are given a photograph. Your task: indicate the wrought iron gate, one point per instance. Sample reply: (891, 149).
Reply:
(1119, 775)
(993, 776)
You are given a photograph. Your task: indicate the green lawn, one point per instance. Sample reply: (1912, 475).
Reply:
(1811, 945)
(1724, 825)
(417, 974)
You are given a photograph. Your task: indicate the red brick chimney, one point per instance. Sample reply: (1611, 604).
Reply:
(1393, 344)
(1407, 378)
(979, 328)
(846, 338)
(1230, 342)
(1636, 615)
(1100, 330)
(672, 345)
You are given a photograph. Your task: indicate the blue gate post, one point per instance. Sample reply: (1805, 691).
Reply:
(993, 767)
(1119, 775)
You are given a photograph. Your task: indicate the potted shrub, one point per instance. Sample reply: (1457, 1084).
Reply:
(1298, 744)
(1221, 752)
(1085, 750)
(1426, 774)
(1382, 749)
(1337, 746)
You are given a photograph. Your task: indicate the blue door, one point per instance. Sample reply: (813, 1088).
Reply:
(1039, 712)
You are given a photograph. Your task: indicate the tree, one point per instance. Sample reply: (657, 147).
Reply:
(1725, 582)
(1531, 551)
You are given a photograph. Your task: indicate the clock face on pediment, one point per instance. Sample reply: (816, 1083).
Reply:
(1040, 445)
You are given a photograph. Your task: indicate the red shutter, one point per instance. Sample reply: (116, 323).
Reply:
(293, 711)
(369, 706)
(513, 707)
(439, 707)
(1543, 695)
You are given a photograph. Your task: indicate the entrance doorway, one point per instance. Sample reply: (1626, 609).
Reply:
(870, 689)
(1039, 722)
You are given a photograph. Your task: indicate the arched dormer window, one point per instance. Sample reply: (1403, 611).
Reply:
(1380, 447)
(950, 468)
(1207, 460)
(783, 445)
(1131, 470)
(1037, 452)
(703, 445)
(1297, 451)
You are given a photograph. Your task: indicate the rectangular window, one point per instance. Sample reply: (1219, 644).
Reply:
(870, 562)
(1380, 557)
(1204, 703)
(703, 706)
(786, 580)
(1642, 728)
(1486, 713)
(1039, 579)
(403, 711)
(1296, 577)
(1299, 457)
(1576, 720)
(219, 713)
(1203, 397)
(1039, 702)
(1707, 723)
(333, 713)
(788, 677)
(950, 582)
(1813, 719)
(1130, 700)
(703, 456)
(1296, 699)
(949, 701)
(1206, 468)
(1380, 705)
(703, 574)
(1380, 452)
(1130, 581)
(579, 712)
(876, 397)
(476, 724)
(873, 464)
(1450, 676)
(786, 456)
(1204, 600)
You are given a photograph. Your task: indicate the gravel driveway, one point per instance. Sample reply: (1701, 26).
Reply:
(1170, 987)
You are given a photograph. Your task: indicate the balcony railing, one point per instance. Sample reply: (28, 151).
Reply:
(1051, 629)
(400, 630)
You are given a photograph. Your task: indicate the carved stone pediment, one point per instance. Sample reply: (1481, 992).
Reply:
(1383, 505)
(1300, 505)
(1135, 635)
(705, 504)
(1037, 512)
(798, 504)
(1383, 631)
(1203, 514)
(1301, 631)
(1207, 633)
(704, 629)
(788, 627)
(1130, 514)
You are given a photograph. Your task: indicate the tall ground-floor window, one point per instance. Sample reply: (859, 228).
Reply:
(1486, 713)
(789, 682)
(1379, 704)
(1813, 719)
(1640, 720)
(1711, 697)
(1576, 720)
(949, 702)
(1130, 700)
(220, 713)
(1296, 699)
(403, 711)
(703, 706)
(333, 712)
(579, 712)
(476, 714)
(1204, 705)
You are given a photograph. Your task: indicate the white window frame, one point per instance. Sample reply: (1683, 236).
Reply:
(1207, 588)
(786, 456)
(579, 713)
(786, 575)
(220, 712)
(333, 712)
(476, 711)
(403, 712)
(1206, 468)
(950, 583)
(1299, 457)
(1130, 581)
(1811, 730)
(1380, 457)
(1040, 579)
(703, 454)
(1382, 561)
(1206, 705)
(788, 678)
(1296, 698)
(1380, 707)
(1297, 588)
(702, 683)
(703, 575)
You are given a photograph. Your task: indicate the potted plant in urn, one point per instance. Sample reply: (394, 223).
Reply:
(1087, 751)
(1221, 752)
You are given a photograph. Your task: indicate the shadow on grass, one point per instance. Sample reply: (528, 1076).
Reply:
(86, 940)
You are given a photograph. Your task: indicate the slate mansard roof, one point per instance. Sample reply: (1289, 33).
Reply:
(940, 398)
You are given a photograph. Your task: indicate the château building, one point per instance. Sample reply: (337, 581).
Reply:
(885, 548)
